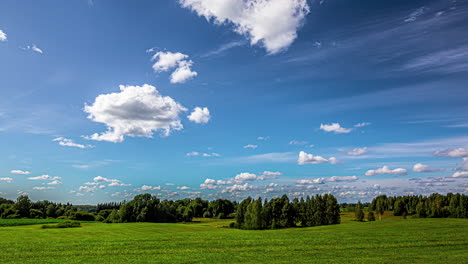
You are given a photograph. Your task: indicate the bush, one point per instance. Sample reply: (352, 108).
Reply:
(13, 216)
(84, 216)
(62, 217)
(62, 225)
(206, 214)
(370, 216)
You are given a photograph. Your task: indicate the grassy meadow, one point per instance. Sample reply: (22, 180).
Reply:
(392, 240)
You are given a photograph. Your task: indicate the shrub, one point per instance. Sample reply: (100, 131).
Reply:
(62, 225)
(84, 216)
(370, 216)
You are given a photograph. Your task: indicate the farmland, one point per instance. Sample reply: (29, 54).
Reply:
(391, 240)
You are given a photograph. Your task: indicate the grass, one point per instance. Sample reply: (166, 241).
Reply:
(62, 225)
(392, 240)
(19, 222)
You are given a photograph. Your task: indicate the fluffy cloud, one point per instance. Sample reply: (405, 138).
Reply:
(386, 170)
(419, 167)
(273, 174)
(183, 188)
(250, 146)
(273, 23)
(200, 115)
(136, 111)
(305, 158)
(149, 188)
(7, 179)
(43, 188)
(460, 174)
(335, 127)
(357, 151)
(245, 176)
(183, 73)
(165, 61)
(69, 143)
(54, 183)
(331, 179)
(237, 188)
(43, 178)
(20, 172)
(112, 182)
(452, 153)
(3, 36)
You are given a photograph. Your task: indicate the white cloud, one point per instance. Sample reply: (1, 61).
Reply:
(299, 143)
(136, 111)
(331, 179)
(272, 173)
(342, 178)
(149, 188)
(419, 167)
(3, 36)
(250, 146)
(464, 165)
(417, 13)
(43, 178)
(273, 23)
(54, 183)
(238, 188)
(460, 174)
(193, 153)
(452, 153)
(245, 176)
(183, 188)
(305, 158)
(69, 143)
(183, 73)
(112, 182)
(357, 151)
(263, 138)
(87, 189)
(20, 172)
(312, 181)
(335, 127)
(7, 179)
(32, 47)
(386, 170)
(200, 115)
(166, 61)
(43, 188)
(363, 124)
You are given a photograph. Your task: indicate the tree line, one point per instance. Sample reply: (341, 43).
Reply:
(281, 212)
(434, 206)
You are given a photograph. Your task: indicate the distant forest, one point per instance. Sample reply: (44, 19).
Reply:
(248, 214)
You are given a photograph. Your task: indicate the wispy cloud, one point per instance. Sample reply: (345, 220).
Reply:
(223, 48)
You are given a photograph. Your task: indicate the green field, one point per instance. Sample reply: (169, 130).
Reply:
(392, 240)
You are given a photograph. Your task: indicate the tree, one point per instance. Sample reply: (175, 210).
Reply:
(370, 216)
(23, 205)
(359, 213)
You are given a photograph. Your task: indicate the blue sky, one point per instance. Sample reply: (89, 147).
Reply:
(102, 100)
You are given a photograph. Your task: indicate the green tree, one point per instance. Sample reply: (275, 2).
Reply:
(370, 216)
(359, 213)
(23, 205)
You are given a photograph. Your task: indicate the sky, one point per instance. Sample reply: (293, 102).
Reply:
(102, 100)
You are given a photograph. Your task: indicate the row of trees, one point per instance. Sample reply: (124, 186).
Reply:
(147, 208)
(281, 212)
(435, 206)
(23, 207)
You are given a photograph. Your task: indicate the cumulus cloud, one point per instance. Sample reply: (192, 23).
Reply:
(3, 36)
(183, 73)
(20, 172)
(6, 179)
(245, 176)
(250, 146)
(43, 188)
(273, 174)
(460, 174)
(238, 188)
(272, 23)
(54, 183)
(43, 178)
(111, 182)
(452, 153)
(305, 158)
(419, 167)
(386, 170)
(335, 127)
(357, 151)
(149, 188)
(136, 111)
(200, 115)
(165, 61)
(322, 180)
(183, 188)
(69, 143)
